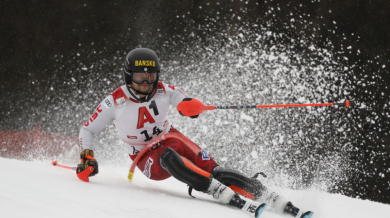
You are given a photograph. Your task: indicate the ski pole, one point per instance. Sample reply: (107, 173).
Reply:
(55, 163)
(83, 175)
(193, 107)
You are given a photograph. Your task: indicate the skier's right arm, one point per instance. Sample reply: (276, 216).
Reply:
(99, 119)
(102, 116)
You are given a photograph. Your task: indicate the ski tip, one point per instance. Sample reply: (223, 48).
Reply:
(308, 214)
(54, 163)
(260, 210)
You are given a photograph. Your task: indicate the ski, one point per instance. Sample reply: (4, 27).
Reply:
(307, 214)
(296, 212)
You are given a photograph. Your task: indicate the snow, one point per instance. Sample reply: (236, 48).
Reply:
(38, 189)
(246, 117)
(254, 154)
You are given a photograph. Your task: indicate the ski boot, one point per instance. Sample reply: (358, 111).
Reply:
(226, 195)
(252, 208)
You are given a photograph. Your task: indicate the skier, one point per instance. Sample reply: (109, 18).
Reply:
(140, 113)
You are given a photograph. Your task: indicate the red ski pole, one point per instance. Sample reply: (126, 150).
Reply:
(195, 107)
(55, 163)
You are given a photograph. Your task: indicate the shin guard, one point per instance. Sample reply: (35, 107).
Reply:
(241, 184)
(185, 171)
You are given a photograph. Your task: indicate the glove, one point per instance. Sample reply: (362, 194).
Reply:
(87, 160)
(190, 107)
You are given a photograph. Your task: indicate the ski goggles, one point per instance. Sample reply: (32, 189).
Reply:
(141, 77)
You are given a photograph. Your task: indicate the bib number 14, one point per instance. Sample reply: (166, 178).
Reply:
(156, 131)
(144, 116)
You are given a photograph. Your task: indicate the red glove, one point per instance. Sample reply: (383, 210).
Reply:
(87, 160)
(190, 107)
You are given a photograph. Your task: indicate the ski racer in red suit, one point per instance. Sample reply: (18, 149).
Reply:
(139, 110)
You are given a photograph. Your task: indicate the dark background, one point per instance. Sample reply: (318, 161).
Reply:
(46, 48)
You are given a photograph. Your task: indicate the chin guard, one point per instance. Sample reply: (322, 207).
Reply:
(83, 175)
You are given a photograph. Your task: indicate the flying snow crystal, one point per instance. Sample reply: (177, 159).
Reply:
(254, 154)
(246, 117)
(258, 71)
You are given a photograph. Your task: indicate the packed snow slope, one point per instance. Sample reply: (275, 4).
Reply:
(38, 189)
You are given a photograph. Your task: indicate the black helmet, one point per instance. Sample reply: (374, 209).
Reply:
(142, 61)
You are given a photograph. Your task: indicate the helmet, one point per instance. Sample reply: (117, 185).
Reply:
(141, 65)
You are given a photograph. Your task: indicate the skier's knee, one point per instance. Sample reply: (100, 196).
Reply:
(249, 187)
(183, 170)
